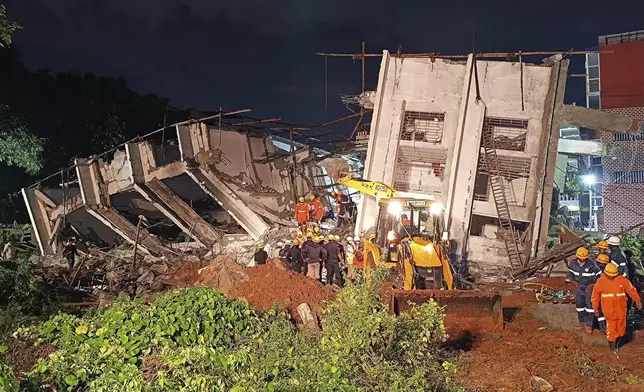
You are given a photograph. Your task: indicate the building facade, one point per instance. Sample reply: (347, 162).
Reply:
(615, 83)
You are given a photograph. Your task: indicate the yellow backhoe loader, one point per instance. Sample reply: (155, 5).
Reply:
(411, 240)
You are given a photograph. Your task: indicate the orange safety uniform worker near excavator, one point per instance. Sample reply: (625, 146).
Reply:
(318, 208)
(602, 262)
(610, 293)
(301, 211)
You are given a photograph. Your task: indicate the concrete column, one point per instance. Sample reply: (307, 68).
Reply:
(463, 174)
(552, 120)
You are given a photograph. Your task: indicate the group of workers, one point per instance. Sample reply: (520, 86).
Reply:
(602, 287)
(315, 211)
(310, 255)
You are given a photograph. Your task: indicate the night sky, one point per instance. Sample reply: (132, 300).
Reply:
(260, 54)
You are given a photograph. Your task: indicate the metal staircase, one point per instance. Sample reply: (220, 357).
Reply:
(506, 230)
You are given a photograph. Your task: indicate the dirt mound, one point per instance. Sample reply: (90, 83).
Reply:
(224, 273)
(269, 283)
(186, 275)
(261, 286)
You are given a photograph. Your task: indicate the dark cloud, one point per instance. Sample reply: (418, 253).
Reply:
(261, 54)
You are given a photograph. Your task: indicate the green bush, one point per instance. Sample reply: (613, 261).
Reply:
(7, 380)
(195, 340)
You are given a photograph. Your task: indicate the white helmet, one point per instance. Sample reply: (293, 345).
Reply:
(614, 240)
(280, 244)
(288, 242)
(349, 238)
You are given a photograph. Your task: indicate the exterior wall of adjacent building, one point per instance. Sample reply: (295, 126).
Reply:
(617, 86)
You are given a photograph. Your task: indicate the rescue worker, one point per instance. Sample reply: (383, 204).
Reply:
(358, 257)
(610, 294)
(70, 252)
(306, 244)
(602, 261)
(333, 259)
(295, 257)
(602, 247)
(285, 253)
(617, 256)
(583, 273)
(313, 254)
(317, 209)
(302, 211)
(300, 236)
(261, 256)
(349, 252)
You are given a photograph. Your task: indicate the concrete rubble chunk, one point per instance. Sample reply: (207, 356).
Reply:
(538, 384)
(309, 320)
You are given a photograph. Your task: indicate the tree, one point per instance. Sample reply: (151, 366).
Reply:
(18, 146)
(7, 27)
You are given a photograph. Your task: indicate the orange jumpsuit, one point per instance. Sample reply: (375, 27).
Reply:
(302, 212)
(318, 209)
(611, 295)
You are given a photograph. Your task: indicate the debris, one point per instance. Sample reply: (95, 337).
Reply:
(538, 384)
(309, 320)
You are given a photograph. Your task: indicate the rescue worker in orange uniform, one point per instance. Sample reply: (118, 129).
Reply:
(317, 209)
(610, 293)
(602, 262)
(302, 211)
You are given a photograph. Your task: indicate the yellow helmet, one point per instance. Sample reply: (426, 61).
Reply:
(330, 237)
(336, 237)
(316, 229)
(582, 253)
(317, 238)
(603, 244)
(312, 197)
(299, 232)
(611, 270)
(260, 245)
(300, 199)
(603, 258)
(296, 242)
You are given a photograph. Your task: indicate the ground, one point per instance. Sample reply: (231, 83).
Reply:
(506, 361)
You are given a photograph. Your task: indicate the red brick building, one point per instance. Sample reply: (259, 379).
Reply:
(616, 84)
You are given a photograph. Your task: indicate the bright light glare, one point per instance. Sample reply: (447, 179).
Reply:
(391, 235)
(429, 248)
(436, 209)
(589, 179)
(395, 208)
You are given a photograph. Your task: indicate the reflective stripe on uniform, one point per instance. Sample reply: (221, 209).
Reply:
(581, 309)
(590, 310)
(601, 318)
(608, 295)
(573, 272)
(588, 274)
(621, 294)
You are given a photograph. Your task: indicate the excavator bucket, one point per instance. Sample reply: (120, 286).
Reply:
(465, 310)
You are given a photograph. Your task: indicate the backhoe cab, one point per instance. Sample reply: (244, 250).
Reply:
(409, 236)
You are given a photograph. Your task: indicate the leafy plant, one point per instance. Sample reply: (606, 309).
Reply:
(18, 146)
(633, 243)
(197, 340)
(7, 27)
(7, 380)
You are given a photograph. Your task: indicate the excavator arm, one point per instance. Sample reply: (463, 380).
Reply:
(374, 188)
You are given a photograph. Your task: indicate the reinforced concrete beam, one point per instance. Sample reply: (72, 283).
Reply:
(599, 120)
(39, 220)
(123, 227)
(218, 190)
(580, 147)
(147, 182)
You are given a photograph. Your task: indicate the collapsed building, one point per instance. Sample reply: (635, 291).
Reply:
(480, 137)
(215, 187)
